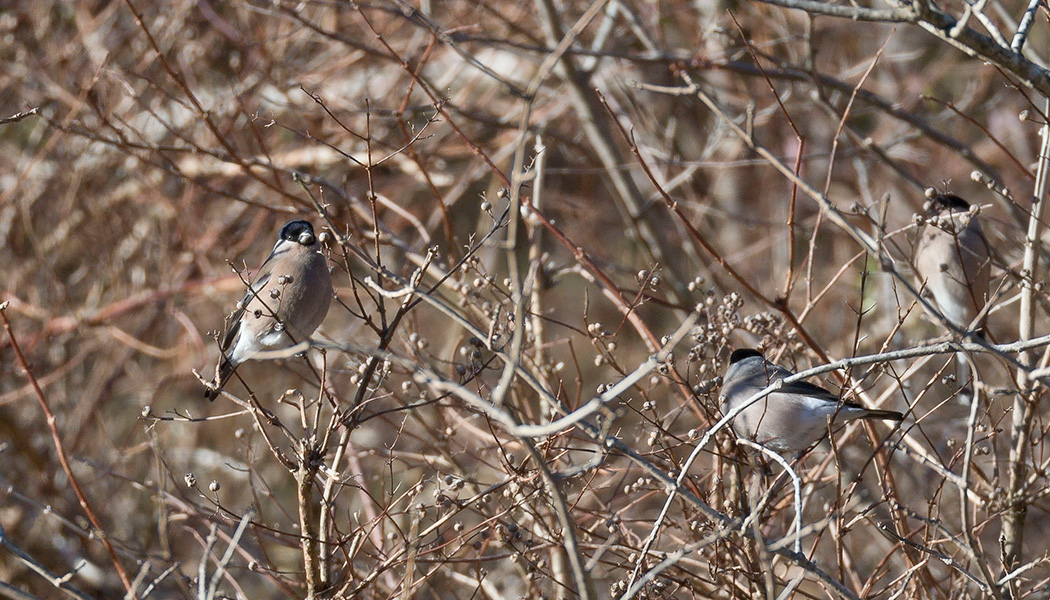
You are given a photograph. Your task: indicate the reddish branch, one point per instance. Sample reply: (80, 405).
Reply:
(62, 458)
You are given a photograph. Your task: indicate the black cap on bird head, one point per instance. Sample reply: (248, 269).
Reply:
(946, 202)
(300, 232)
(742, 353)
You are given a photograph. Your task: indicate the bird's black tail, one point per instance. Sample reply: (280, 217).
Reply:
(222, 375)
(887, 415)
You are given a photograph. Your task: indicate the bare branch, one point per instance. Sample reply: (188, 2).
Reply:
(906, 14)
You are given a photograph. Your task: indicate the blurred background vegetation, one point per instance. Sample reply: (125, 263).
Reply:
(544, 178)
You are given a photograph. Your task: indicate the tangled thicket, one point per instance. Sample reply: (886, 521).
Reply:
(549, 223)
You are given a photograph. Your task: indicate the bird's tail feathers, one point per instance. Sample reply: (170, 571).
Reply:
(222, 374)
(887, 415)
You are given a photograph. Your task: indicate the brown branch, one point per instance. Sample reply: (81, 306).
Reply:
(61, 452)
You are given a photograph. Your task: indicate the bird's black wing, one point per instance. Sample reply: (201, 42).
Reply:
(231, 333)
(235, 320)
(804, 388)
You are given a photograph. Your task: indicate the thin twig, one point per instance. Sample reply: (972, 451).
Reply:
(60, 582)
(1021, 36)
(20, 115)
(60, 450)
(905, 14)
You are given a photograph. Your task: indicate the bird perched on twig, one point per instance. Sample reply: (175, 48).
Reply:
(286, 302)
(952, 260)
(790, 419)
(953, 264)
